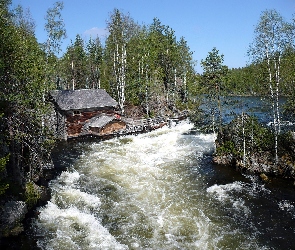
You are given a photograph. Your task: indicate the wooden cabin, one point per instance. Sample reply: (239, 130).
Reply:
(85, 111)
(105, 124)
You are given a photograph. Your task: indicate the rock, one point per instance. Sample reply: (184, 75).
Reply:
(44, 194)
(12, 215)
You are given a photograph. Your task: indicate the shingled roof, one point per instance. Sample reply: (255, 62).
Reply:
(100, 121)
(82, 99)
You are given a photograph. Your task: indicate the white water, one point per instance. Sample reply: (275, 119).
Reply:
(148, 192)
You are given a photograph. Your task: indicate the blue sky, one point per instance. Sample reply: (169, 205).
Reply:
(227, 25)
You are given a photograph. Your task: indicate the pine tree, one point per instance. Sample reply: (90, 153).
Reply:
(214, 73)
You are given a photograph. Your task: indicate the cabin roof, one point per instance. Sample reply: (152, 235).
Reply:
(82, 99)
(100, 121)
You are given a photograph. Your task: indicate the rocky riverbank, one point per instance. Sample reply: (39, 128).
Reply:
(250, 147)
(18, 202)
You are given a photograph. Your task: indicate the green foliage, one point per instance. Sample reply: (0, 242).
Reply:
(3, 183)
(23, 130)
(55, 28)
(156, 72)
(253, 79)
(3, 188)
(23, 20)
(258, 137)
(94, 62)
(272, 59)
(286, 143)
(214, 72)
(159, 71)
(227, 148)
(273, 35)
(56, 32)
(32, 194)
(247, 129)
(250, 80)
(74, 63)
(3, 162)
(214, 77)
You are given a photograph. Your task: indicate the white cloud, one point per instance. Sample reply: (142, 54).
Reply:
(96, 32)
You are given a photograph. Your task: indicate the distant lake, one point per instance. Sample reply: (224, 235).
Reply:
(260, 107)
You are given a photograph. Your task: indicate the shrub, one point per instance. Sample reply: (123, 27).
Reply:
(32, 194)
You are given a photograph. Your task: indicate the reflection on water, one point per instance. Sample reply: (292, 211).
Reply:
(160, 191)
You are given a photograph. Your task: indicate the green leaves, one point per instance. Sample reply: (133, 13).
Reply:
(213, 77)
(3, 183)
(22, 89)
(159, 71)
(214, 70)
(55, 28)
(32, 194)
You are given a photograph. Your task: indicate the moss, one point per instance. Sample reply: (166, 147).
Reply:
(152, 114)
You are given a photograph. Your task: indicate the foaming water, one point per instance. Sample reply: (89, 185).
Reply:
(149, 192)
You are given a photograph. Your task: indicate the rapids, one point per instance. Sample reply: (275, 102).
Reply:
(160, 191)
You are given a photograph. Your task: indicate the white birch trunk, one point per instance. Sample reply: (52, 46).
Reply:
(244, 141)
(146, 94)
(174, 87)
(185, 87)
(123, 77)
(120, 61)
(277, 93)
(273, 104)
(73, 76)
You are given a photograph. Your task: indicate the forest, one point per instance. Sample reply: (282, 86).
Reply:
(145, 66)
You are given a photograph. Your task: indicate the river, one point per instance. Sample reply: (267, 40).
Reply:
(160, 190)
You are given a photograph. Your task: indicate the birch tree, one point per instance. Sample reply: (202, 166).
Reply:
(55, 28)
(121, 28)
(273, 35)
(56, 32)
(146, 64)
